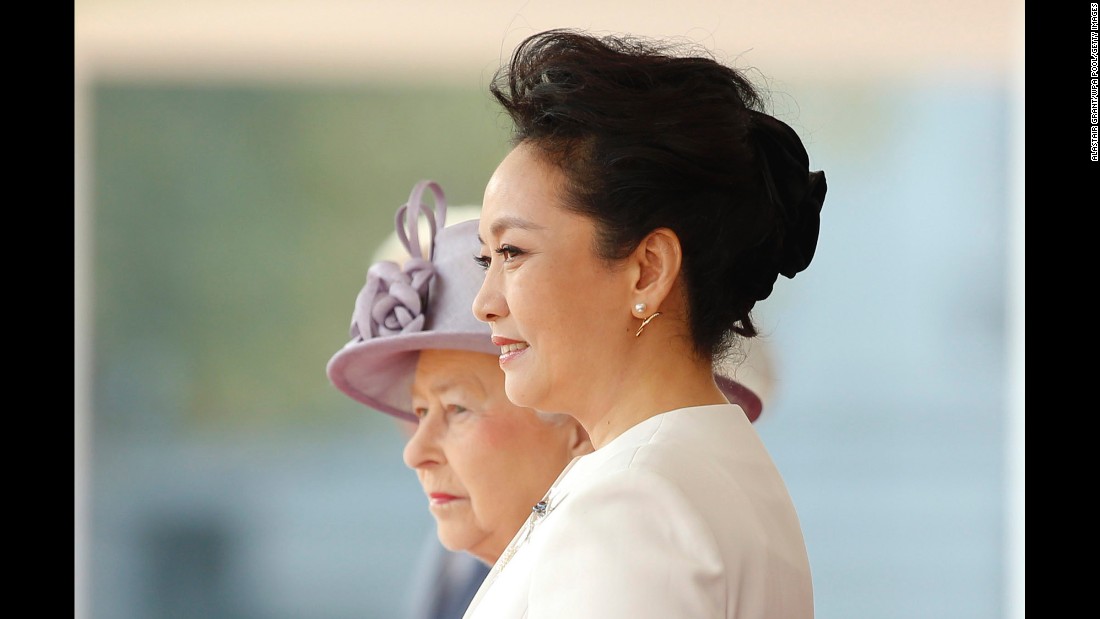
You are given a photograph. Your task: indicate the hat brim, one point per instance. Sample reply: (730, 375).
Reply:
(379, 372)
(741, 395)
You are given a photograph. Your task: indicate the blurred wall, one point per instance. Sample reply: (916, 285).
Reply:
(237, 163)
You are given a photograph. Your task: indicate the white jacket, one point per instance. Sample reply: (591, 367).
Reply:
(682, 516)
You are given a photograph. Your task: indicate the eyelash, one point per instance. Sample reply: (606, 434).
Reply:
(508, 252)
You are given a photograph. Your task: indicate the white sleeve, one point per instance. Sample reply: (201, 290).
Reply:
(629, 546)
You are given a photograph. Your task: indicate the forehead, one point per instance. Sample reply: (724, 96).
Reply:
(440, 370)
(525, 194)
(523, 186)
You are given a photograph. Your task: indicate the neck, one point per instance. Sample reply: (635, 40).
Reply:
(657, 382)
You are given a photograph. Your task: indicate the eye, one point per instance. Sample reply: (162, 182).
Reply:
(456, 408)
(508, 252)
(483, 261)
(420, 412)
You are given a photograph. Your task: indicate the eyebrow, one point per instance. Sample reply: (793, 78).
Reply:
(509, 222)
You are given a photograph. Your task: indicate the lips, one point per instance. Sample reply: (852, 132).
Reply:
(509, 348)
(500, 340)
(441, 498)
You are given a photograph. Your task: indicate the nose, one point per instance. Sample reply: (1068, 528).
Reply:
(424, 447)
(489, 304)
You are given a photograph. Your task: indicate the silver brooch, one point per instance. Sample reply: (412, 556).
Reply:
(539, 509)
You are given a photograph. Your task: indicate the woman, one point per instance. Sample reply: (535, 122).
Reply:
(417, 353)
(645, 208)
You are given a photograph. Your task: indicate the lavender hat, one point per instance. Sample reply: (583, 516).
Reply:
(401, 310)
(427, 304)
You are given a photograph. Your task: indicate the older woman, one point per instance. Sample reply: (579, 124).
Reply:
(647, 205)
(418, 354)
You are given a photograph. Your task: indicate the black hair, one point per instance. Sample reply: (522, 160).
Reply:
(648, 136)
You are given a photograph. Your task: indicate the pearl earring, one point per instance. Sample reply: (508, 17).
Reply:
(639, 308)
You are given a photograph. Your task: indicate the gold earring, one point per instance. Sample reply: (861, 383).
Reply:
(646, 322)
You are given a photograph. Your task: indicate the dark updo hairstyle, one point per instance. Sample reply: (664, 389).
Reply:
(650, 138)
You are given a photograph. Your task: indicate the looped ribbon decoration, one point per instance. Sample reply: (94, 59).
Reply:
(395, 297)
(797, 194)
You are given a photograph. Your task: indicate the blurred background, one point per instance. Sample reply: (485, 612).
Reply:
(238, 162)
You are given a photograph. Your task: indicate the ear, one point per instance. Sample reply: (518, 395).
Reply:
(658, 258)
(579, 443)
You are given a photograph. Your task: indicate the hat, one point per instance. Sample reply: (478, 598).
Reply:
(403, 309)
(426, 303)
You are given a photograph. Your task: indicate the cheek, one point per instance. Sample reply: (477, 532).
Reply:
(475, 452)
(518, 451)
(488, 470)
(549, 306)
(494, 438)
(493, 442)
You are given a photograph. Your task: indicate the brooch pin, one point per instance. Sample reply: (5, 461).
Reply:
(538, 511)
(540, 508)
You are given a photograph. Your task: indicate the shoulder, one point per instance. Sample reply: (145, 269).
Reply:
(693, 453)
(700, 481)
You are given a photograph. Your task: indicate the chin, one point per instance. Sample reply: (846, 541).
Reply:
(448, 545)
(455, 542)
(519, 394)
